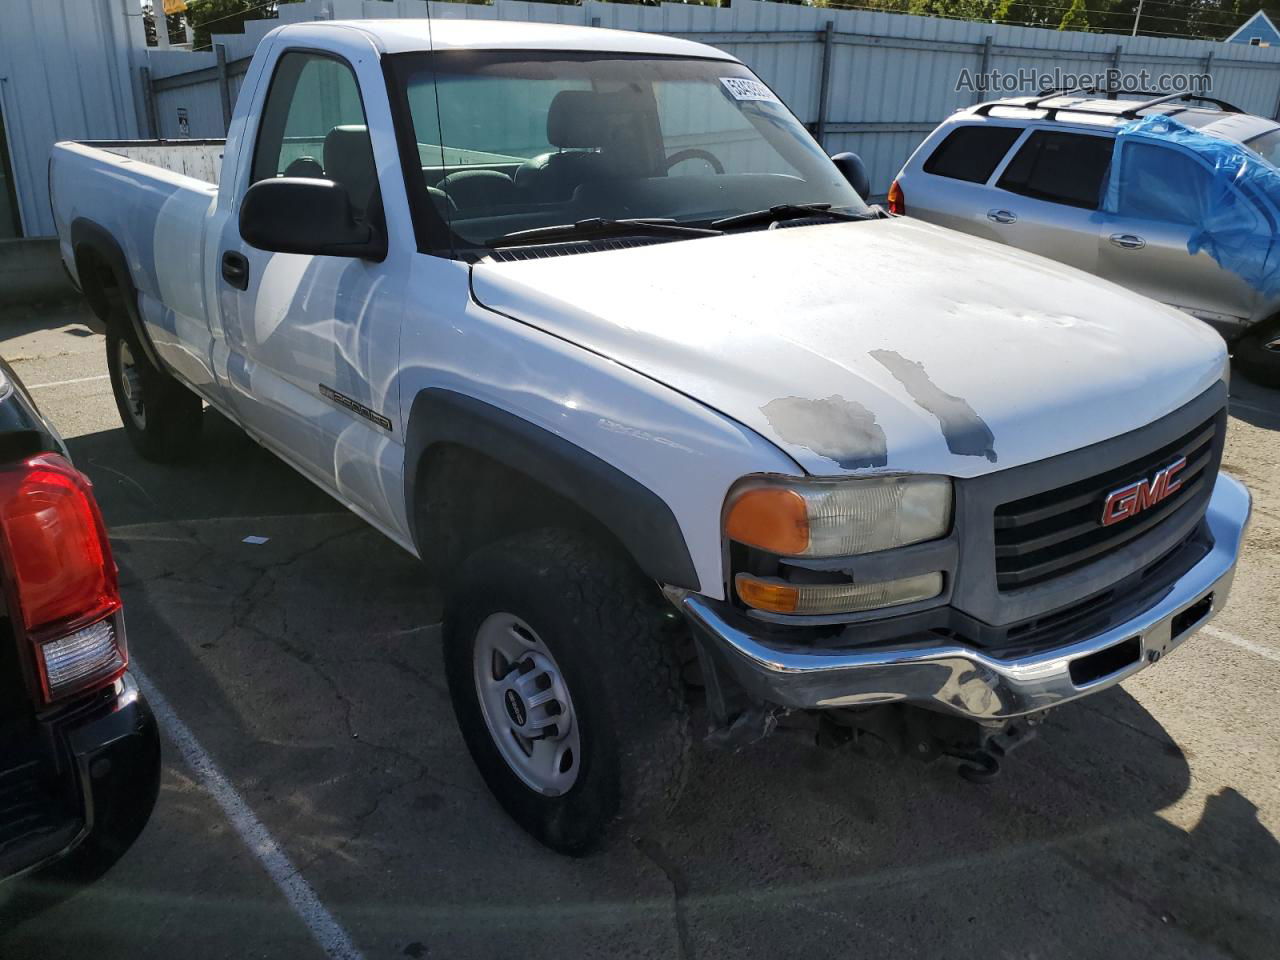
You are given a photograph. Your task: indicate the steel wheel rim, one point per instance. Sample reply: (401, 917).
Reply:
(526, 705)
(131, 386)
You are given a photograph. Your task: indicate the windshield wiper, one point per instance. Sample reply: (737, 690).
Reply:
(600, 227)
(784, 211)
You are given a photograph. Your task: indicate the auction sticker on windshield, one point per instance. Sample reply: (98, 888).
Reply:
(745, 89)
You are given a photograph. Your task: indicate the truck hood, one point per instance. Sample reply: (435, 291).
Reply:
(889, 345)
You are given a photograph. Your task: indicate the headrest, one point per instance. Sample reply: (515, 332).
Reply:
(585, 118)
(348, 160)
(478, 188)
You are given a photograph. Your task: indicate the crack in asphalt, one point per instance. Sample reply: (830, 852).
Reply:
(652, 851)
(361, 820)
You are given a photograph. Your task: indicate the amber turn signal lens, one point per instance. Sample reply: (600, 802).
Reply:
(771, 518)
(896, 202)
(764, 595)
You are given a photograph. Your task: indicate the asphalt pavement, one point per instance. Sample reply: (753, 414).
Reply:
(316, 792)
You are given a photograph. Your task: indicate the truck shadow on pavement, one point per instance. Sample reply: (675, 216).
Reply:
(1253, 403)
(308, 668)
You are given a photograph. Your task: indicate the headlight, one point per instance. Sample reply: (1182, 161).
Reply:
(838, 518)
(777, 596)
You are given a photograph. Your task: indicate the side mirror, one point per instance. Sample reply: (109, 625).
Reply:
(295, 215)
(855, 171)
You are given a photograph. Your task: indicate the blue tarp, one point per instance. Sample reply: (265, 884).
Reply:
(1231, 204)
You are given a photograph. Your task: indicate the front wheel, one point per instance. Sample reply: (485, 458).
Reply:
(566, 686)
(162, 418)
(1257, 354)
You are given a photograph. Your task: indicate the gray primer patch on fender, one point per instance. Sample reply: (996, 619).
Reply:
(966, 433)
(841, 430)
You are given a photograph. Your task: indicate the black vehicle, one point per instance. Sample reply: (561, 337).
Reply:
(79, 749)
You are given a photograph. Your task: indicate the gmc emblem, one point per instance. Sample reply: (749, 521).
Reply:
(1132, 500)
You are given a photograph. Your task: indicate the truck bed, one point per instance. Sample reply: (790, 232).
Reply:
(198, 159)
(152, 199)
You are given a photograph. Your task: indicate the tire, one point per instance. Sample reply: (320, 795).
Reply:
(162, 417)
(1255, 360)
(595, 636)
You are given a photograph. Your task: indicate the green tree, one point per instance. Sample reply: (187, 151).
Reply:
(208, 17)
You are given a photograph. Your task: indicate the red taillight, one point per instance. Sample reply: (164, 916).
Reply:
(897, 202)
(62, 578)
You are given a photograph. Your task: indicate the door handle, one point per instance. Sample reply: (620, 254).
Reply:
(1002, 216)
(1128, 241)
(235, 269)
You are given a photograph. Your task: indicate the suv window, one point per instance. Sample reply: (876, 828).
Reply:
(1157, 183)
(971, 153)
(1161, 183)
(313, 125)
(1068, 168)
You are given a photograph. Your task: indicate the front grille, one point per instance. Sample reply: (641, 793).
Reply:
(1052, 533)
(1101, 611)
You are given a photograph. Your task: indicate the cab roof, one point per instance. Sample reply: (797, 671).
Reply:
(408, 36)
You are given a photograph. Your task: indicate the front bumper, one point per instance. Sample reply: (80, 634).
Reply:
(966, 682)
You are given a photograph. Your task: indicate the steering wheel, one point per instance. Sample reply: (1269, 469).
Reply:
(693, 153)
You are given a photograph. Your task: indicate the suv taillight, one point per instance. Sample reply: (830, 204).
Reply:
(896, 201)
(63, 594)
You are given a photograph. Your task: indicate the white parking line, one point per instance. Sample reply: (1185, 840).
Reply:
(328, 933)
(1219, 634)
(63, 383)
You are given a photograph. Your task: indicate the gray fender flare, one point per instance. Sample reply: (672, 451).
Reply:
(639, 519)
(89, 236)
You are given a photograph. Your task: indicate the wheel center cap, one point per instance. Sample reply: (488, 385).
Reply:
(515, 708)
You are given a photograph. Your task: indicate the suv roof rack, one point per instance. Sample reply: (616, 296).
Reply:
(1222, 105)
(1037, 103)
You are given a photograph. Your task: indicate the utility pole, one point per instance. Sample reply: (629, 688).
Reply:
(1136, 17)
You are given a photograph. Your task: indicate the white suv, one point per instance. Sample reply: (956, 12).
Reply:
(1037, 173)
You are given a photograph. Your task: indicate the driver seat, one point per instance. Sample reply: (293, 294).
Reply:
(602, 133)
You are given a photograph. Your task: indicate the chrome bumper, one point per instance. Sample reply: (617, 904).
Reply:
(965, 681)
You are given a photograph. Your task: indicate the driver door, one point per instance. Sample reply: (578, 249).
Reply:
(313, 341)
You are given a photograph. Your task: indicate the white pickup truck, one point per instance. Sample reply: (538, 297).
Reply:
(587, 321)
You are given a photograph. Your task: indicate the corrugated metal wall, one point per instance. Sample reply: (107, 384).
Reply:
(72, 69)
(892, 77)
(68, 71)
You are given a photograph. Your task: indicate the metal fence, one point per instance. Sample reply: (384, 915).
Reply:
(874, 83)
(69, 70)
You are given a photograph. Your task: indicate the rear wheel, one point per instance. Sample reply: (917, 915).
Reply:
(566, 686)
(1257, 354)
(162, 418)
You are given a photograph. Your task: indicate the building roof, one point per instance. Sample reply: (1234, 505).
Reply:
(1259, 25)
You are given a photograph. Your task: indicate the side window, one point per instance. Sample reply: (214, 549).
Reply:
(1161, 183)
(1157, 183)
(313, 125)
(1067, 168)
(971, 153)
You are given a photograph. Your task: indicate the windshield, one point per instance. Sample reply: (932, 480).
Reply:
(516, 140)
(1267, 146)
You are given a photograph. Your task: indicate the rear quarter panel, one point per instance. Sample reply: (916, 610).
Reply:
(157, 218)
(955, 204)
